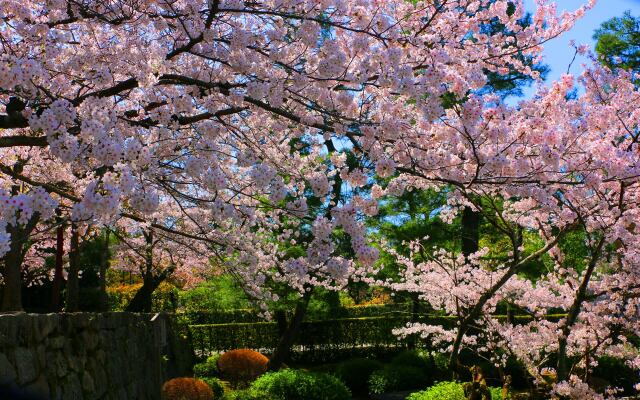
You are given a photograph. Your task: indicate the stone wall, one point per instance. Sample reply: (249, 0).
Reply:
(85, 356)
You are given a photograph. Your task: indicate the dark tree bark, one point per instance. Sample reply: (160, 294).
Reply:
(12, 291)
(56, 288)
(104, 265)
(73, 284)
(470, 231)
(470, 243)
(280, 317)
(283, 350)
(415, 307)
(142, 300)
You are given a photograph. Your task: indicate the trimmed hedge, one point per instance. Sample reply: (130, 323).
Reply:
(204, 317)
(212, 338)
(247, 315)
(318, 341)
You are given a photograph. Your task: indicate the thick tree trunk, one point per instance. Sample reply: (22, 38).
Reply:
(415, 305)
(470, 243)
(56, 288)
(142, 300)
(73, 284)
(283, 351)
(104, 265)
(12, 291)
(280, 317)
(470, 231)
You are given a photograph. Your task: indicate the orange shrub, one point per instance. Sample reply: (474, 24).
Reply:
(186, 389)
(242, 366)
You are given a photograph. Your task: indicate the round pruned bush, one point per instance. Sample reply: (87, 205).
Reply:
(398, 377)
(240, 367)
(449, 391)
(355, 373)
(186, 389)
(291, 384)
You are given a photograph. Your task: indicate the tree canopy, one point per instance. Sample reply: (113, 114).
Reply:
(263, 137)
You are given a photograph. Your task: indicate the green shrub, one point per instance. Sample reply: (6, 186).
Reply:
(449, 391)
(238, 395)
(414, 358)
(440, 366)
(441, 390)
(616, 373)
(215, 384)
(290, 384)
(496, 393)
(208, 367)
(355, 373)
(397, 377)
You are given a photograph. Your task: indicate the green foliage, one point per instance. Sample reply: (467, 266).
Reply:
(324, 304)
(355, 373)
(618, 42)
(290, 384)
(439, 391)
(440, 362)
(616, 373)
(398, 377)
(208, 368)
(215, 384)
(449, 391)
(238, 395)
(219, 293)
(412, 359)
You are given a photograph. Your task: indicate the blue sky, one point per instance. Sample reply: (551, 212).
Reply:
(558, 53)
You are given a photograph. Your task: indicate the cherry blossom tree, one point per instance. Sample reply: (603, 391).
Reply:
(558, 165)
(223, 122)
